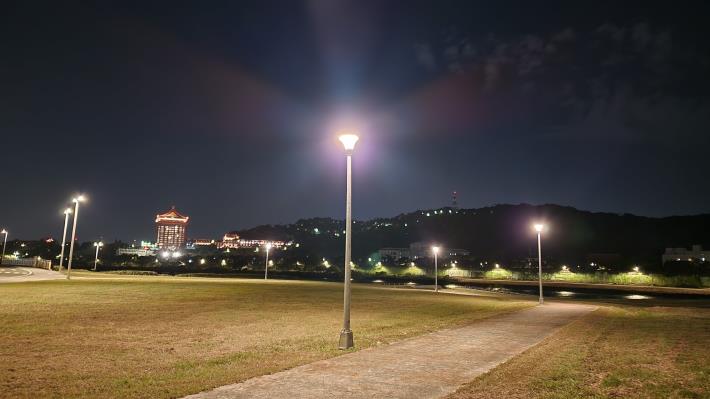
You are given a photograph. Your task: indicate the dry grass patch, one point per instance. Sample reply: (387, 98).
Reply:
(148, 337)
(612, 353)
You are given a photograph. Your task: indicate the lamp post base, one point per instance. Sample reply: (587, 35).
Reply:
(346, 340)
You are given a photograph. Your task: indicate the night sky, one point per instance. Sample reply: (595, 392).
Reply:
(229, 111)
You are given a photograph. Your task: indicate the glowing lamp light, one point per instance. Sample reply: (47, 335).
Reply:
(348, 141)
(497, 266)
(435, 250)
(202, 261)
(79, 198)
(67, 211)
(3, 231)
(165, 254)
(268, 246)
(636, 269)
(539, 227)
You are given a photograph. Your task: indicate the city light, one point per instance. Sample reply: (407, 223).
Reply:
(539, 227)
(266, 264)
(348, 141)
(636, 269)
(346, 334)
(4, 243)
(435, 250)
(96, 257)
(76, 200)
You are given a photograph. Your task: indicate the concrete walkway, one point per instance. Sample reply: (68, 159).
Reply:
(18, 274)
(429, 366)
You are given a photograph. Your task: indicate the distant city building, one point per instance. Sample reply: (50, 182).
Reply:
(171, 227)
(232, 240)
(146, 248)
(695, 254)
(135, 252)
(394, 253)
(423, 250)
(419, 250)
(203, 242)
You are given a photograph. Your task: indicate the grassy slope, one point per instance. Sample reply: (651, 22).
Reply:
(612, 353)
(164, 337)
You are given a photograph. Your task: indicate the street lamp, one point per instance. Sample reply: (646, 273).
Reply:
(538, 228)
(96, 258)
(346, 335)
(4, 243)
(64, 237)
(76, 201)
(435, 250)
(266, 265)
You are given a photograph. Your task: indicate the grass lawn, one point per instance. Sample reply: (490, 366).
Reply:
(154, 337)
(614, 352)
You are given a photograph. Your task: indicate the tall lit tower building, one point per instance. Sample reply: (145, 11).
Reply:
(171, 227)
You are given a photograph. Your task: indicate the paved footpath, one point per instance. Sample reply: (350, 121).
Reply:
(428, 366)
(17, 274)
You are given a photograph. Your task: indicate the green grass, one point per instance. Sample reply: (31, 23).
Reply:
(158, 337)
(612, 353)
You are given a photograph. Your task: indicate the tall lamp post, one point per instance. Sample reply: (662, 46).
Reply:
(76, 201)
(4, 243)
(266, 264)
(64, 237)
(346, 335)
(96, 258)
(538, 228)
(435, 250)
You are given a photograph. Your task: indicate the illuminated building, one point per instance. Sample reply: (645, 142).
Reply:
(171, 227)
(232, 240)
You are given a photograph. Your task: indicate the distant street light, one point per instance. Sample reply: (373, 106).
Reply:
(4, 243)
(96, 258)
(64, 237)
(76, 201)
(435, 250)
(346, 335)
(538, 228)
(266, 264)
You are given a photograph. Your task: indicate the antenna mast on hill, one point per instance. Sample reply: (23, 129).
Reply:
(455, 201)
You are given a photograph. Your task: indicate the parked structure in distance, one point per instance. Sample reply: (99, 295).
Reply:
(419, 250)
(696, 254)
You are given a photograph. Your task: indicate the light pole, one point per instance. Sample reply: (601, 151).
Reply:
(76, 201)
(435, 250)
(64, 237)
(346, 335)
(266, 265)
(4, 243)
(96, 258)
(538, 228)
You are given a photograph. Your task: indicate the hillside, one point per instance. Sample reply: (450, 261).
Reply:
(504, 232)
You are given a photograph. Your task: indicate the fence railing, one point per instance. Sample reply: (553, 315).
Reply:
(29, 262)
